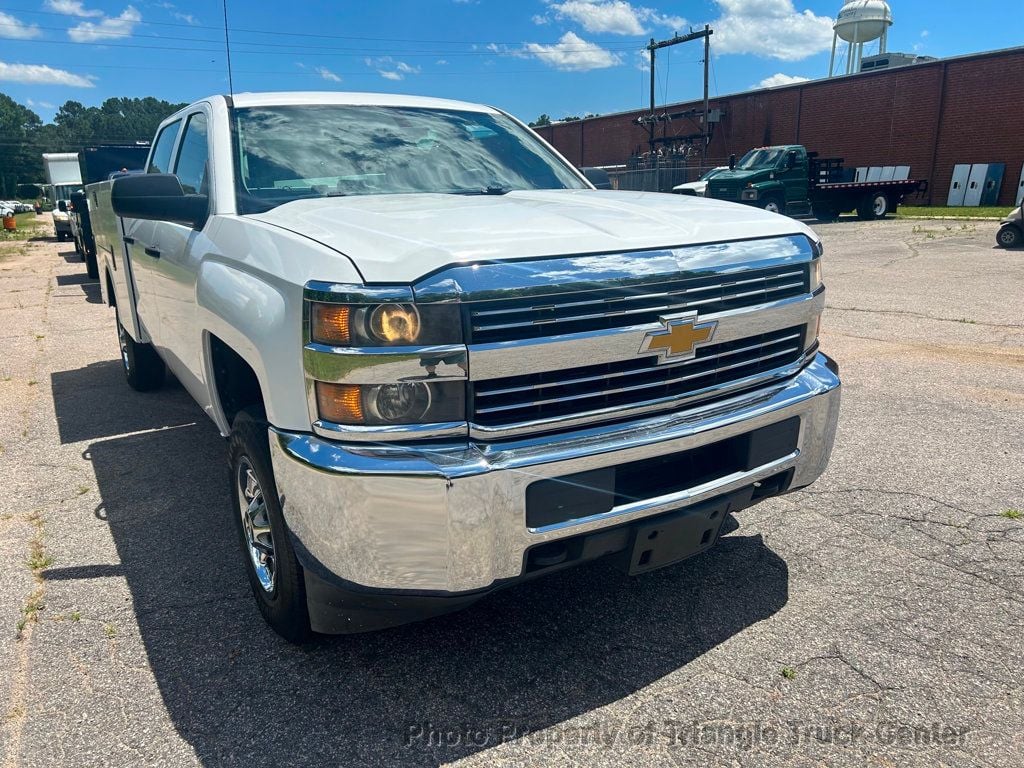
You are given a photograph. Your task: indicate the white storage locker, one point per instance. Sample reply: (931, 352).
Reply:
(902, 173)
(1020, 187)
(975, 184)
(958, 184)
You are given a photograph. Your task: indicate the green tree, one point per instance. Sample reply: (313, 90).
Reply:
(18, 163)
(540, 122)
(24, 138)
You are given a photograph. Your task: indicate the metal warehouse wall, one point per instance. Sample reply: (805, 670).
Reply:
(929, 116)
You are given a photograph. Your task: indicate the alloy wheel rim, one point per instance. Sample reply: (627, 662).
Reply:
(772, 207)
(1006, 237)
(259, 540)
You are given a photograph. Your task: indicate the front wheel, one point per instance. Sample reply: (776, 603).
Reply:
(142, 366)
(1009, 236)
(773, 204)
(275, 575)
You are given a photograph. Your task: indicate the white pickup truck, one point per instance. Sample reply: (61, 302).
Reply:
(445, 363)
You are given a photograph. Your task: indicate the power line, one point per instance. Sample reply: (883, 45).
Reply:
(628, 42)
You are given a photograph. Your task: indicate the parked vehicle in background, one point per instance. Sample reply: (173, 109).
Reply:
(790, 180)
(63, 177)
(446, 363)
(1011, 229)
(100, 163)
(699, 187)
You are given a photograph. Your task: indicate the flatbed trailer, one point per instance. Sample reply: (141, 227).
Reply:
(790, 180)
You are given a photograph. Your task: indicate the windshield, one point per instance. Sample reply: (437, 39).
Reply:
(713, 172)
(295, 152)
(761, 158)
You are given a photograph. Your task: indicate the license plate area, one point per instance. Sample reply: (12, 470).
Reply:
(676, 537)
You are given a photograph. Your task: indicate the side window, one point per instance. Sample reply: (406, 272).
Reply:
(191, 166)
(160, 158)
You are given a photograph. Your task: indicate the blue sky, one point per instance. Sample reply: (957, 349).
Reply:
(559, 57)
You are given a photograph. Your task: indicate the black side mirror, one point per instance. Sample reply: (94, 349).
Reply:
(732, 162)
(791, 160)
(62, 206)
(158, 197)
(598, 177)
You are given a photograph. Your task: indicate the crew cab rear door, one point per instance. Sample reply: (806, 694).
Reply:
(142, 240)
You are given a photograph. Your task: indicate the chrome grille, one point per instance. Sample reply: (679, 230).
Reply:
(634, 382)
(537, 316)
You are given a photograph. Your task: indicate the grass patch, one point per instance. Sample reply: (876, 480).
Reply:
(989, 212)
(788, 672)
(27, 227)
(1012, 514)
(30, 611)
(109, 630)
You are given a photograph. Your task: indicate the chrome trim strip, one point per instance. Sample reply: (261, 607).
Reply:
(344, 293)
(390, 434)
(669, 501)
(501, 359)
(383, 365)
(568, 274)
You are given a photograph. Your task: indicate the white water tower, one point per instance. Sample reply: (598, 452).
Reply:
(859, 22)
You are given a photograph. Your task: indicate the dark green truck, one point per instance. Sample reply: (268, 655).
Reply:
(788, 179)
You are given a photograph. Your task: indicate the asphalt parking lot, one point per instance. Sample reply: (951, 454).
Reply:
(876, 619)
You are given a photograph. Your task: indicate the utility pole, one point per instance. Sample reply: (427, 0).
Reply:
(676, 40)
(707, 55)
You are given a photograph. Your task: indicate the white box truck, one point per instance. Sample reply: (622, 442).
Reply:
(63, 177)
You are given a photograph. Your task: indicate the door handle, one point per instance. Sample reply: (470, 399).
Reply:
(129, 240)
(152, 252)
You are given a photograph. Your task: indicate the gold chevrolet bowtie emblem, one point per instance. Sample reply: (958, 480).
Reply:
(680, 337)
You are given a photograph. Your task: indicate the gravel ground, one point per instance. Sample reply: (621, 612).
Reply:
(872, 620)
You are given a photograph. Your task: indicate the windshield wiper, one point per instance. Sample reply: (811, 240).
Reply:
(490, 190)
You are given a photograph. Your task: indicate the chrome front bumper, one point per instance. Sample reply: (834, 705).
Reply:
(452, 519)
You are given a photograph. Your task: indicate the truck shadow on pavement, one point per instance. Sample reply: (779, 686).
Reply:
(90, 286)
(526, 658)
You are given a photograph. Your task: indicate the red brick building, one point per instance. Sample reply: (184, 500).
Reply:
(929, 116)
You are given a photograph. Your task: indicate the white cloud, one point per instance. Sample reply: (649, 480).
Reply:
(326, 74)
(441, 62)
(13, 28)
(40, 74)
(110, 28)
(188, 18)
(72, 8)
(616, 17)
(573, 54)
(391, 69)
(40, 104)
(770, 28)
(774, 81)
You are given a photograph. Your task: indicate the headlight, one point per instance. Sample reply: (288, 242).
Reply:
(387, 404)
(384, 325)
(748, 194)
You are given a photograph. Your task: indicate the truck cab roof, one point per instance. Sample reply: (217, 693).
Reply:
(350, 98)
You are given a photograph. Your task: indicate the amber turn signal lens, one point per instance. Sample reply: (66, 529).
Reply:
(340, 403)
(331, 324)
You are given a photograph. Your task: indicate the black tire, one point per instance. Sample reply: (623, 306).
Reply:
(142, 366)
(1009, 236)
(775, 204)
(875, 205)
(279, 587)
(92, 268)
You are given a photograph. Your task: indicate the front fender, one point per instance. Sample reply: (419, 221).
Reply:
(262, 323)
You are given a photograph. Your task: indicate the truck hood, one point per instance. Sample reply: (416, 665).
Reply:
(399, 238)
(742, 178)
